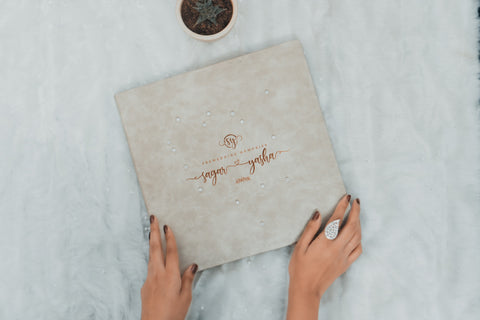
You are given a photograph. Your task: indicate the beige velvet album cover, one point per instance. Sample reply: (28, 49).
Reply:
(234, 157)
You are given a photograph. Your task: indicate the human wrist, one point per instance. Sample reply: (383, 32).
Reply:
(302, 302)
(300, 294)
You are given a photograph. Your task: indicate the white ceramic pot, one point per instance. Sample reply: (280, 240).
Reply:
(210, 37)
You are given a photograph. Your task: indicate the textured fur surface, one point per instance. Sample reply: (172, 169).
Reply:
(397, 82)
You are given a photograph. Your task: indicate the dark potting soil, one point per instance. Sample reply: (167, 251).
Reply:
(190, 16)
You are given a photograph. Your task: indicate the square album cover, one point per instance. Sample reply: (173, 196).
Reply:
(234, 157)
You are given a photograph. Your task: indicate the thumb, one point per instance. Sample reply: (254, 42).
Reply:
(187, 280)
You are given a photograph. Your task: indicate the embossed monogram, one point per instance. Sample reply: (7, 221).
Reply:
(231, 141)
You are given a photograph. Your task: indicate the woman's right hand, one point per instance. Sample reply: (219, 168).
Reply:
(317, 262)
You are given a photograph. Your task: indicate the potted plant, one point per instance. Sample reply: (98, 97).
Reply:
(207, 20)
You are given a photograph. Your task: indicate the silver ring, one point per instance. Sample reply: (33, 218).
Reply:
(331, 230)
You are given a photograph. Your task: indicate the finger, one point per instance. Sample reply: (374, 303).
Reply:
(356, 209)
(353, 243)
(187, 280)
(171, 259)
(355, 254)
(352, 225)
(339, 212)
(156, 251)
(310, 230)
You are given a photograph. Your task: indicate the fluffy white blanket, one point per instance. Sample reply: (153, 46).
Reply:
(397, 82)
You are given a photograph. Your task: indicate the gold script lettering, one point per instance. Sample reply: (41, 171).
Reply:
(261, 159)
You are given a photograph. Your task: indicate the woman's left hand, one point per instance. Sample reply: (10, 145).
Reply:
(165, 295)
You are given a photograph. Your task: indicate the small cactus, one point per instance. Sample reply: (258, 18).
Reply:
(207, 11)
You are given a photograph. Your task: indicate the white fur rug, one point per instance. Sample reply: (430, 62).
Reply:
(397, 81)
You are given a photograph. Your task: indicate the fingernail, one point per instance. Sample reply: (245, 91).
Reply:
(194, 268)
(358, 201)
(165, 228)
(315, 215)
(152, 218)
(349, 197)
